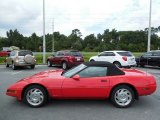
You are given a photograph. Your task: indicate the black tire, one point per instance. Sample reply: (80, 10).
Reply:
(32, 66)
(128, 97)
(64, 65)
(7, 65)
(14, 67)
(49, 64)
(41, 92)
(118, 64)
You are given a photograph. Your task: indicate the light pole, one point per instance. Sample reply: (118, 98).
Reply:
(44, 40)
(149, 30)
(53, 37)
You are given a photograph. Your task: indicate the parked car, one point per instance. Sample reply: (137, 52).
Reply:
(118, 58)
(90, 80)
(20, 58)
(66, 59)
(151, 58)
(4, 53)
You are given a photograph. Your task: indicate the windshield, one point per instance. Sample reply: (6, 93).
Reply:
(73, 71)
(23, 53)
(75, 53)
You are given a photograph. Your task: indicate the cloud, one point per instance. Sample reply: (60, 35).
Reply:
(87, 15)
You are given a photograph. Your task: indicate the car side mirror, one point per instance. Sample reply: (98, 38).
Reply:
(76, 77)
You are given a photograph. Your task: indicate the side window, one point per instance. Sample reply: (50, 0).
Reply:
(57, 53)
(61, 54)
(149, 54)
(102, 54)
(110, 54)
(107, 54)
(12, 53)
(156, 53)
(93, 72)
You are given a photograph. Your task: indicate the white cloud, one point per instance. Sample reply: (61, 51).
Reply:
(90, 16)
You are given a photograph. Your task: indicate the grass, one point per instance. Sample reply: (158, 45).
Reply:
(87, 55)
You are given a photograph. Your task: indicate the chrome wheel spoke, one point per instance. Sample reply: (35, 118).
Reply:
(35, 96)
(123, 97)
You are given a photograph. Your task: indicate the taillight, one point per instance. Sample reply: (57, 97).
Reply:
(124, 58)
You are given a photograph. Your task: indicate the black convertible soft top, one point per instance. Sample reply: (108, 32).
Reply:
(112, 69)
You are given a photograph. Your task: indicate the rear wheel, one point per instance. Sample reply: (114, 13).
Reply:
(35, 96)
(64, 65)
(122, 96)
(117, 64)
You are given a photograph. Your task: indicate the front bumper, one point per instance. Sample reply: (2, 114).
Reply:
(16, 89)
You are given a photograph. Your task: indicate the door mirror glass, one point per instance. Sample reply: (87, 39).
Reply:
(76, 77)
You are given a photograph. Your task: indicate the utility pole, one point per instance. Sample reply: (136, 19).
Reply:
(53, 36)
(44, 40)
(149, 30)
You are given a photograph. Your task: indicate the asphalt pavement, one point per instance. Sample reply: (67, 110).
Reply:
(146, 108)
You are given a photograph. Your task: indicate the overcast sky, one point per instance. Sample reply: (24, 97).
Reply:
(89, 16)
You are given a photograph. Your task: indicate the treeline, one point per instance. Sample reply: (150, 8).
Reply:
(135, 41)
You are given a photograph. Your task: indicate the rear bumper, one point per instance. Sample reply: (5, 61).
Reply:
(144, 91)
(23, 64)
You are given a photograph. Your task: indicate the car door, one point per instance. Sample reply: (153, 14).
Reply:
(57, 58)
(155, 59)
(93, 83)
(146, 59)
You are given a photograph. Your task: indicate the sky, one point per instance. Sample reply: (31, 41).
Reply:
(89, 16)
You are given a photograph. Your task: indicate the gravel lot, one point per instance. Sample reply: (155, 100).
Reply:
(146, 108)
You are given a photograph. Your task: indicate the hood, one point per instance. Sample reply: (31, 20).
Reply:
(43, 76)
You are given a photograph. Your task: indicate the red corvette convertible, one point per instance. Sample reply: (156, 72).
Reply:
(91, 80)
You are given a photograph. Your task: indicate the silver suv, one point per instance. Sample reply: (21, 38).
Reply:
(21, 58)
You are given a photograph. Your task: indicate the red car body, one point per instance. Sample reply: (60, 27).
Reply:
(68, 88)
(69, 57)
(4, 53)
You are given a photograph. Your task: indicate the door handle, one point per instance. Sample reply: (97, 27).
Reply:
(103, 80)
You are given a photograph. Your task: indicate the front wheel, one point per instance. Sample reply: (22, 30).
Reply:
(35, 96)
(7, 65)
(122, 96)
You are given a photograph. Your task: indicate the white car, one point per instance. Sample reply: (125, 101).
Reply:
(119, 58)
